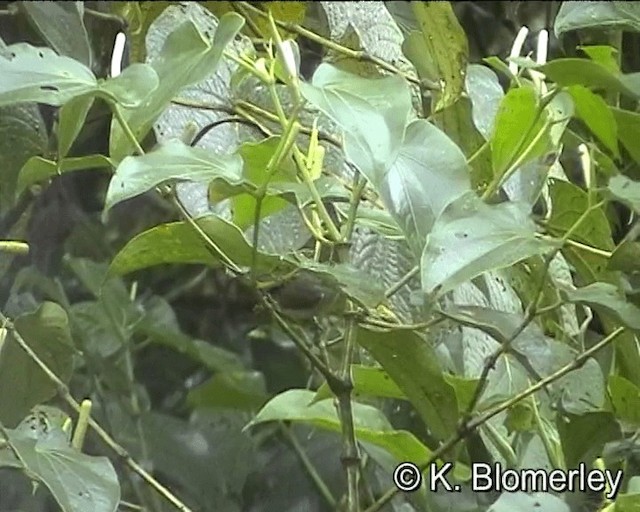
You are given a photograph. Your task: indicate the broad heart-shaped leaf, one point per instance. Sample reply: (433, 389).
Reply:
(39, 169)
(178, 242)
(413, 365)
(625, 190)
(22, 383)
(187, 57)
(472, 237)
(42, 76)
(591, 74)
(607, 296)
(171, 160)
(372, 113)
(446, 45)
(78, 482)
(628, 130)
(597, 15)
(520, 129)
(370, 423)
(595, 113)
(428, 173)
(62, 26)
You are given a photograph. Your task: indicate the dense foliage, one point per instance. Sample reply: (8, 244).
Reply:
(292, 245)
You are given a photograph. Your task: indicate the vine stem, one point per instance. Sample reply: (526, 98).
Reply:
(63, 391)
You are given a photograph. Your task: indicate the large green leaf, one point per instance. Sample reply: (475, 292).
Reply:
(485, 93)
(131, 87)
(78, 482)
(370, 424)
(71, 118)
(187, 57)
(412, 364)
(625, 190)
(520, 131)
(172, 160)
(42, 76)
(178, 242)
(597, 15)
(22, 383)
(62, 26)
(595, 113)
(625, 399)
(472, 237)
(372, 113)
(367, 381)
(584, 436)
(241, 390)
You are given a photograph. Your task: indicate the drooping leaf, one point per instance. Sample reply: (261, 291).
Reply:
(471, 237)
(595, 113)
(22, 383)
(62, 26)
(71, 118)
(131, 87)
(412, 364)
(608, 297)
(187, 57)
(371, 112)
(172, 160)
(42, 76)
(370, 424)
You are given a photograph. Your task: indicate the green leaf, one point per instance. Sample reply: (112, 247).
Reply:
(412, 364)
(591, 74)
(78, 482)
(597, 15)
(178, 242)
(626, 257)
(22, 383)
(23, 134)
(520, 129)
(429, 172)
(628, 130)
(372, 113)
(625, 190)
(39, 169)
(471, 237)
(61, 25)
(370, 424)
(595, 113)
(367, 381)
(186, 58)
(71, 119)
(608, 297)
(447, 48)
(131, 87)
(602, 54)
(485, 93)
(244, 390)
(42, 76)
(171, 160)
(625, 399)
(569, 203)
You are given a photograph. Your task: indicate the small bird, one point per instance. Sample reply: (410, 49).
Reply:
(304, 296)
